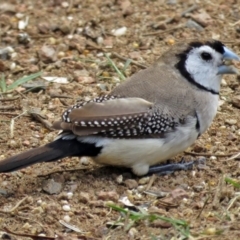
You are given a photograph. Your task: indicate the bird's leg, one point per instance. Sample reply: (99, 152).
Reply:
(170, 168)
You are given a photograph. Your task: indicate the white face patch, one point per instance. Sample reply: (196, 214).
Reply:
(202, 64)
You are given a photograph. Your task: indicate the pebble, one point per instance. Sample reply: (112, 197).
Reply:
(119, 179)
(27, 226)
(143, 180)
(52, 186)
(84, 197)
(66, 208)
(111, 195)
(203, 18)
(132, 233)
(141, 188)
(66, 219)
(236, 101)
(198, 188)
(231, 121)
(84, 161)
(131, 183)
(5, 52)
(65, 4)
(210, 231)
(69, 195)
(223, 82)
(213, 158)
(192, 24)
(119, 32)
(47, 54)
(13, 144)
(12, 65)
(61, 54)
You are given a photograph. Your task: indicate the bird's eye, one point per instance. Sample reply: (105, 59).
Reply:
(206, 56)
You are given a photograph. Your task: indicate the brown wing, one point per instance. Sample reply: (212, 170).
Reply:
(111, 115)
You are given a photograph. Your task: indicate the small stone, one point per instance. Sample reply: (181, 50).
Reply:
(47, 54)
(53, 185)
(119, 179)
(69, 195)
(143, 180)
(27, 226)
(37, 210)
(119, 32)
(192, 24)
(131, 183)
(84, 197)
(65, 4)
(96, 203)
(66, 219)
(84, 161)
(83, 79)
(26, 143)
(210, 231)
(199, 204)
(43, 28)
(111, 195)
(231, 121)
(66, 208)
(132, 233)
(236, 101)
(13, 144)
(202, 18)
(179, 193)
(61, 54)
(223, 82)
(231, 136)
(213, 158)
(198, 188)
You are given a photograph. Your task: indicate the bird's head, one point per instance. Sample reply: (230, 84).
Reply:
(204, 63)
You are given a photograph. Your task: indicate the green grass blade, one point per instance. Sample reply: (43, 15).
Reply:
(126, 65)
(151, 217)
(3, 84)
(232, 182)
(22, 80)
(121, 75)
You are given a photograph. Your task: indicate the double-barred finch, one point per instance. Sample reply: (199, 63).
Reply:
(154, 115)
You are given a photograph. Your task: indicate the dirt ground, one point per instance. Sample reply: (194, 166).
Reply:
(72, 198)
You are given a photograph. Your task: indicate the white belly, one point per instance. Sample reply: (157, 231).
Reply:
(139, 154)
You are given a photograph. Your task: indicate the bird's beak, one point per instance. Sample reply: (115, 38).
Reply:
(228, 69)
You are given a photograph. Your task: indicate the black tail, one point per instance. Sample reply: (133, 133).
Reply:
(49, 152)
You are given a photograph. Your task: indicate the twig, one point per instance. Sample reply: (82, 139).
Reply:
(39, 118)
(9, 99)
(235, 156)
(209, 154)
(73, 228)
(61, 171)
(169, 20)
(125, 59)
(232, 202)
(8, 107)
(28, 235)
(152, 179)
(204, 205)
(217, 195)
(15, 207)
(12, 122)
(9, 114)
(191, 9)
(60, 96)
(164, 31)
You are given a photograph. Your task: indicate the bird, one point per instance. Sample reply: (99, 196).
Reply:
(149, 118)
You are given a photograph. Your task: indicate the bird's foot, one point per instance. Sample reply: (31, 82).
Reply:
(170, 168)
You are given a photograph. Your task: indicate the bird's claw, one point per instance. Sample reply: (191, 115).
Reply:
(170, 168)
